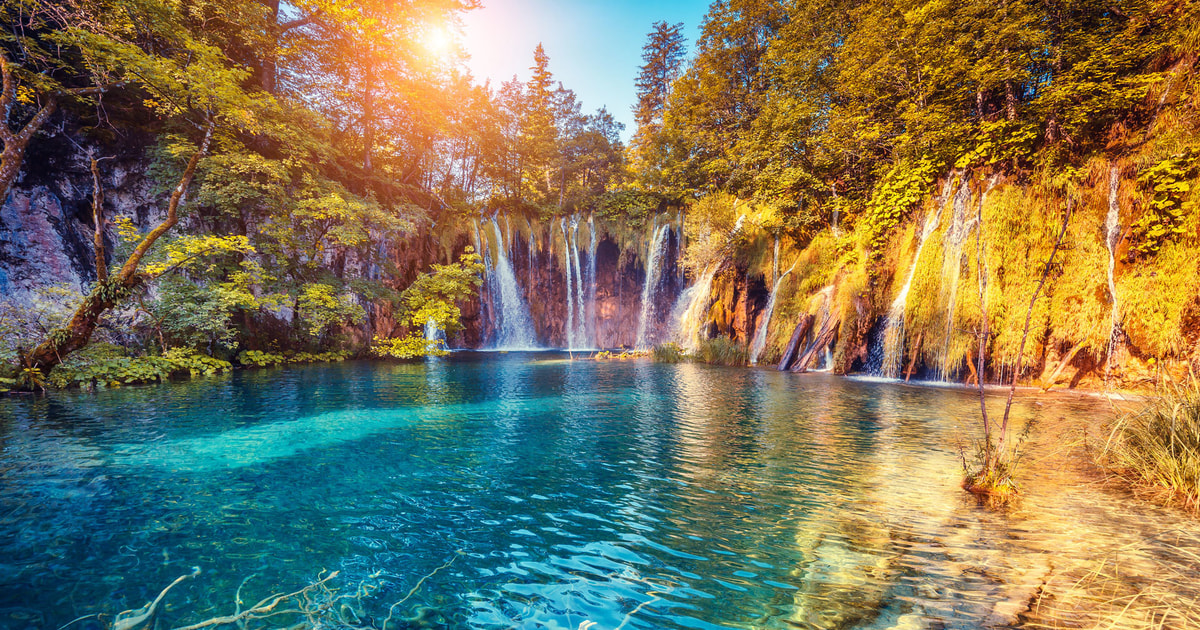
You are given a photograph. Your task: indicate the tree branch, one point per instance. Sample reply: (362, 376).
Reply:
(131, 265)
(298, 22)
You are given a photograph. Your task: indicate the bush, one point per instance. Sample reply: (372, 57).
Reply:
(256, 358)
(1159, 446)
(667, 353)
(117, 371)
(722, 351)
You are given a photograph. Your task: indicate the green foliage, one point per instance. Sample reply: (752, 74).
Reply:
(258, 358)
(433, 297)
(102, 369)
(630, 207)
(320, 307)
(667, 353)
(901, 189)
(711, 224)
(1167, 185)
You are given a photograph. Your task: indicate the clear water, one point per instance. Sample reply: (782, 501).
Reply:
(629, 494)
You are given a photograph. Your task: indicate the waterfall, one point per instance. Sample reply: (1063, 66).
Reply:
(435, 339)
(529, 271)
(1112, 236)
(691, 308)
(580, 331)
(760, 335)
(591, 284)
(775, 263)
(893, 334)
(956, 234)
(576, 330)
(569, 331)
(658, 246)
(514, 327)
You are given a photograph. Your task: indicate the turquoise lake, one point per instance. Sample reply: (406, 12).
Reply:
(530, 491)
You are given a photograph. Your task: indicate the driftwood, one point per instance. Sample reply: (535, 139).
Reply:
(798, 335)
(916, 353)
(825, 335)
(1061, 365)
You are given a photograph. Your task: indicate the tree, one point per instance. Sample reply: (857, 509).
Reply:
(433, 297)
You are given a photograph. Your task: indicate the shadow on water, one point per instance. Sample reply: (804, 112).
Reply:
(629, 494)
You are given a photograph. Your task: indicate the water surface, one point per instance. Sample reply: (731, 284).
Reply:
(629, 494)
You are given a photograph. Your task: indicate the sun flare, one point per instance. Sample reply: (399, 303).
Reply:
(437, 41)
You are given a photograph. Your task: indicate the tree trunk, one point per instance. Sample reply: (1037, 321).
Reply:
(98, 221)
(824, 337)
(1000, 442)
(912, 360)
(789, 354)
(63, 341)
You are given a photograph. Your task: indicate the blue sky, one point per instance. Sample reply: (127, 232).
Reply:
(595, 47)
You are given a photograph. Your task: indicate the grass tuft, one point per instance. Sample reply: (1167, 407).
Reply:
(1158, 447)
(722, 351)
(667, 353)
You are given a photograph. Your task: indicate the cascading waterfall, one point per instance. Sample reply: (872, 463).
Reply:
(760, 335)
(514, 327)
(569, 332)
(893, 335)
(956, 235)
(591, 283)
(1112, 236)
(658, 246)
(691, 308)
(530, 248)
(580, 331)
(576, 329)
(434, 336)
(775, 262)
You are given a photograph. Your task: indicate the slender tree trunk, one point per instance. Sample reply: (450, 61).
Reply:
(1062, 365)
(98, 221)
(15, 144)
(1000, 443)
(916, 353)
(63, 341)
(12, 156)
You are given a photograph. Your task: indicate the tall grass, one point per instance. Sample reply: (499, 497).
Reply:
(1159, 446)
(667, 353)
(722, 351)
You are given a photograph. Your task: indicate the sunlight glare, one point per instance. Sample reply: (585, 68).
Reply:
(437, 41)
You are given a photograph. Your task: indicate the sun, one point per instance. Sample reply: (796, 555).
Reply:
(437, 41)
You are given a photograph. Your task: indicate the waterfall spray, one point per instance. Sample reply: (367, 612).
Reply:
(580, 330)
(591, 284)
(691, 310)
(760, 335)
(658, 245)
(893, 335)
(515, 326)
(956, 234)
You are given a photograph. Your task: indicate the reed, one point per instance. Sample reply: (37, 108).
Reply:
(722, 351)
(1158, 446)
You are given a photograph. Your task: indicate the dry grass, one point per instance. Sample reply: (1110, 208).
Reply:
(1116, 594)
(1158, 448)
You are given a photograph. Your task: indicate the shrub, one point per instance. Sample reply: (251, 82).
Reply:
(667, 353)
(722, 351)
(117, 371)
(1159, 446)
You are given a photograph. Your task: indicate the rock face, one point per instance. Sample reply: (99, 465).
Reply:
(615, 298)
(46, 233)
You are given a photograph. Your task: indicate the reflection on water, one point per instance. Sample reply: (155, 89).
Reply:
(629, 494)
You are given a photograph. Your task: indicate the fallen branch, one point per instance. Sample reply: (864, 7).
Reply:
(130, 619)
